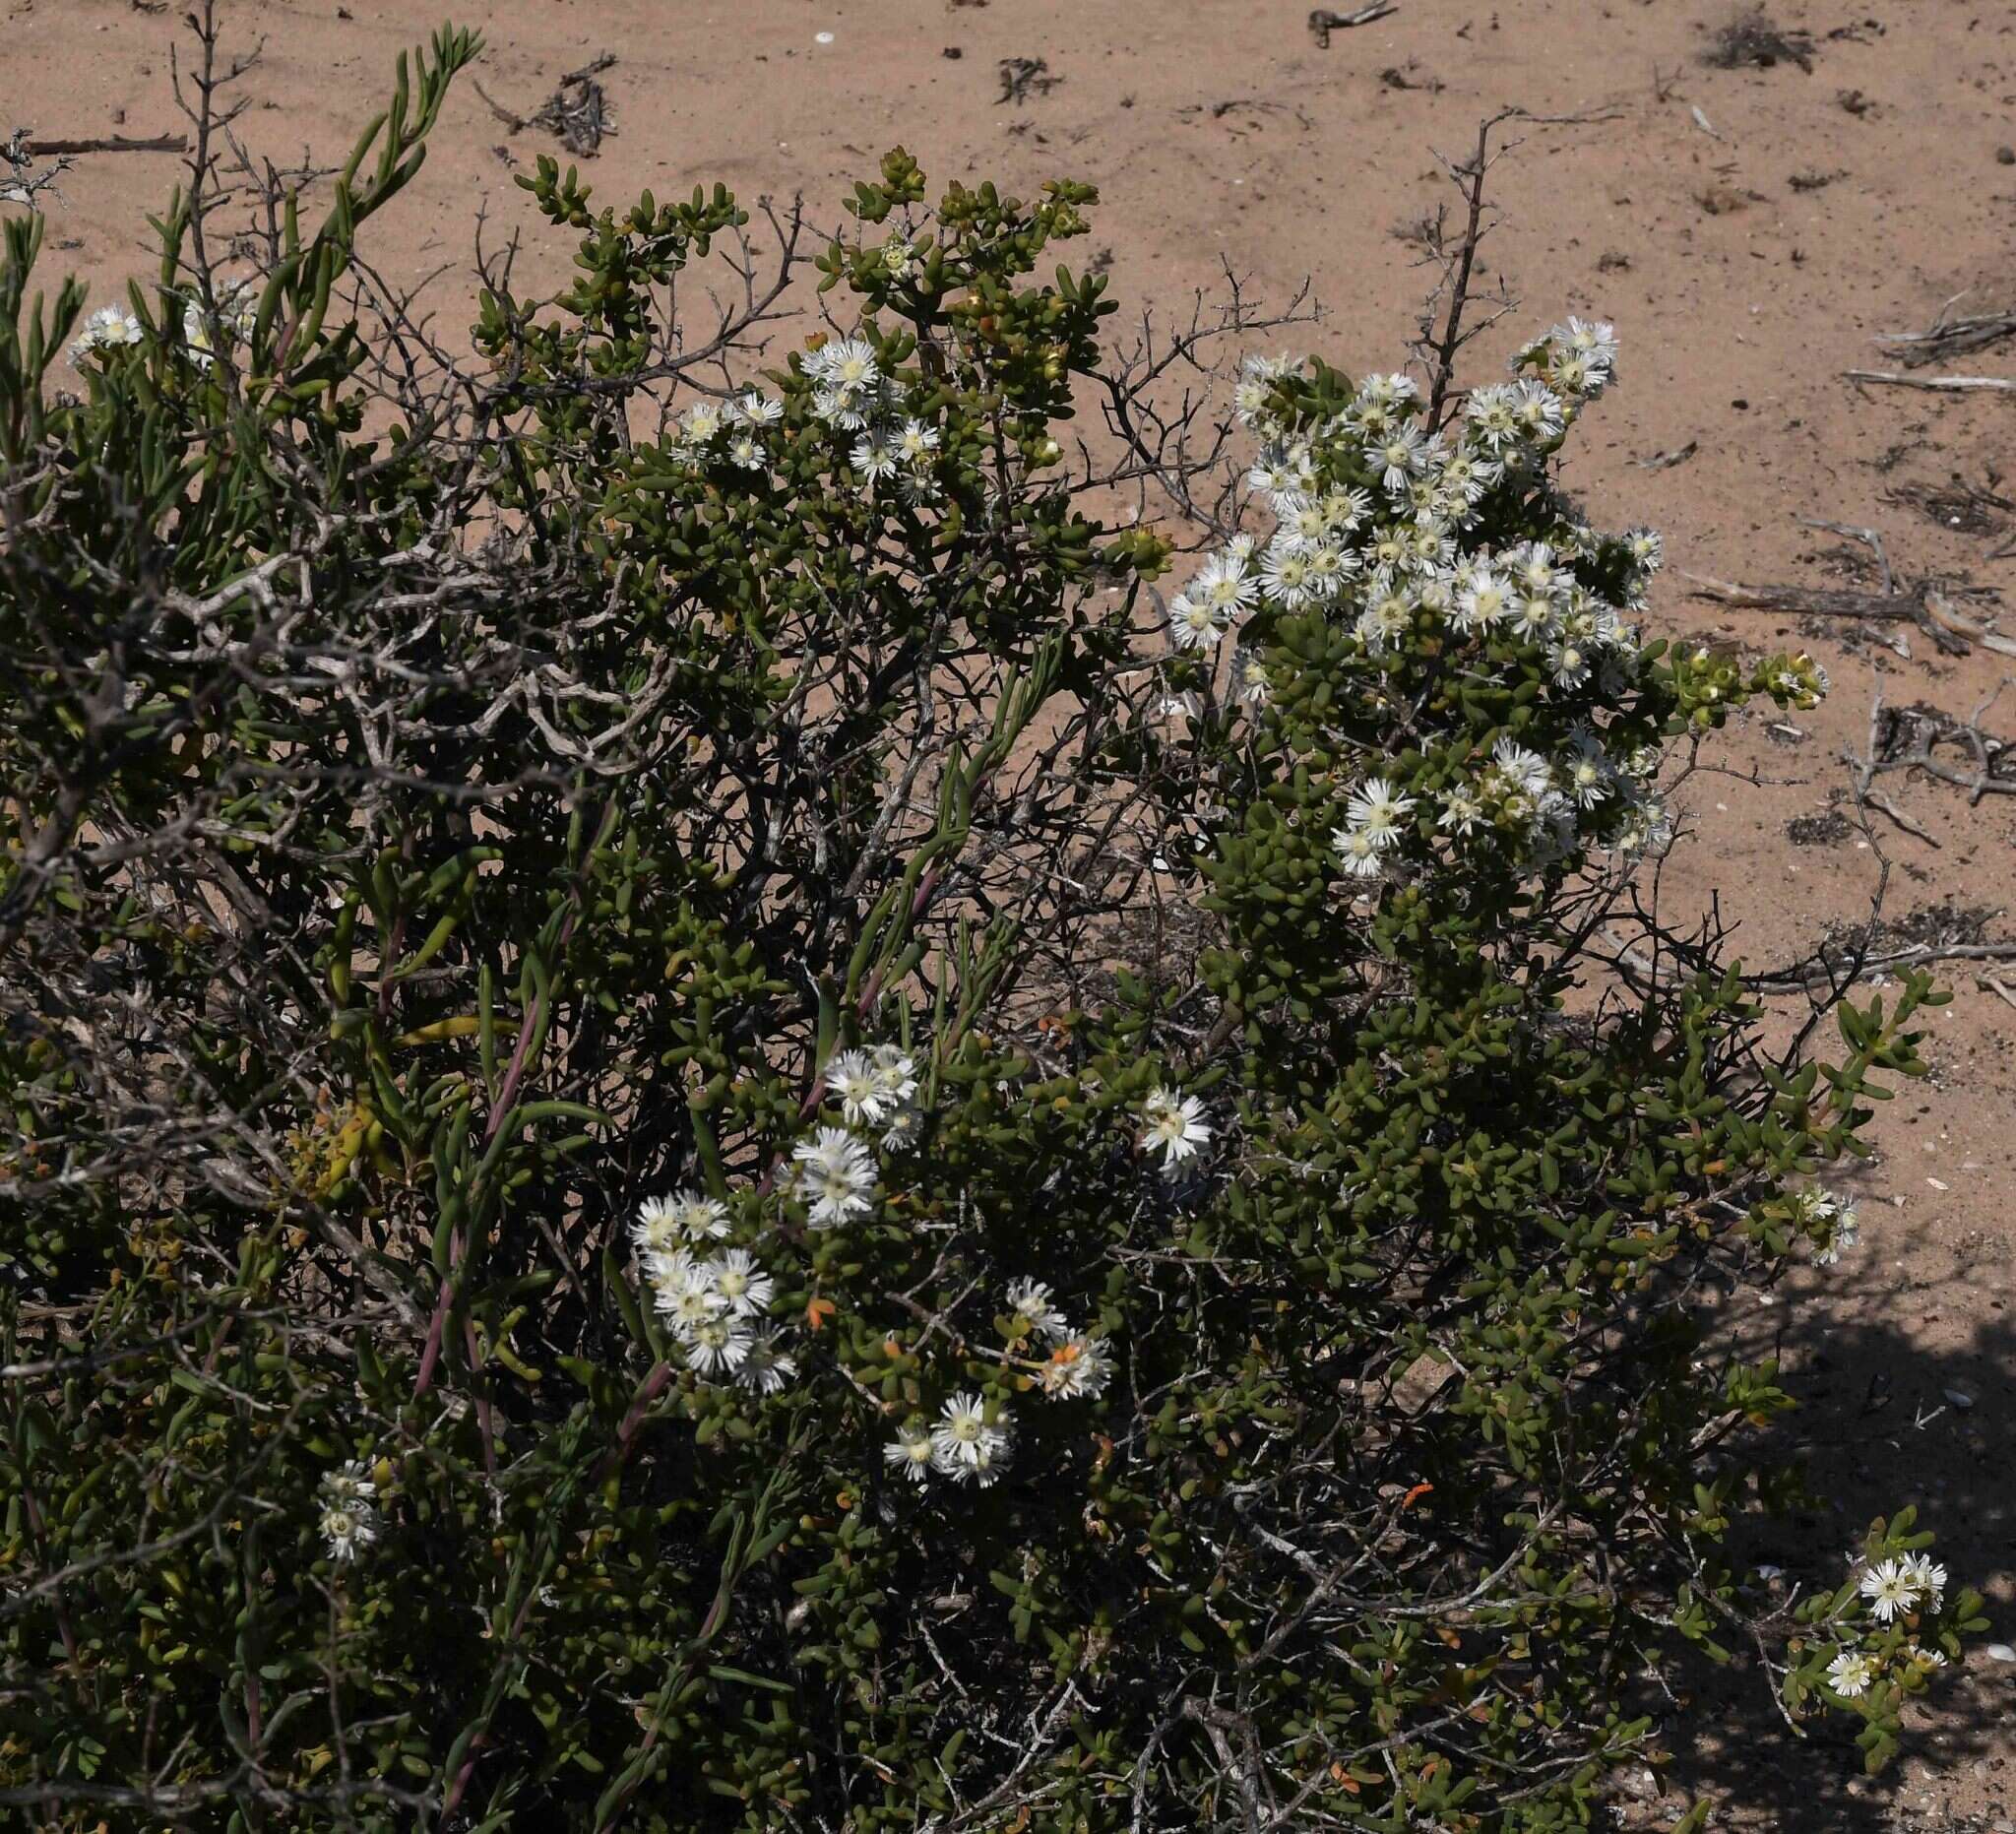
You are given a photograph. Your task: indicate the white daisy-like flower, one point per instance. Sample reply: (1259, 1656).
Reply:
(898, 257)
(1890, 1588)
(985, 1468)
(846, 366)
(109, 327)
(836, 1175)
(1034, 1311)
(348, 1527)
(1362, 856)
(701, 422)
(964, 1436)
(1928, 1576)
(1284, 577)
(1568, 664)
(758, 408)
(351, 1482)
(1385, 621)
(1398, 456)
(1224, 587)
(874, 455)
(1249, 679)
(1376, 809)
(901, 1130)
(1491, 416)
(1646, 549)
(1461, 810)
(683, 1291)
(838, 409)
(915, 443)
(1079, 1368)
(896, 1073)
(766, 1368)
(909, 1452)
(1330, 566)
(1193, 624)
(745, 450)
(1176, 1126)
(1537, 410)
(1850, 1673)
(1588, 770)
(1522, 767)
(744, 1287)
(1592, 339)
(717, 1346)
(851, 1076)
(1924, 1657)
(237, 311)
(1483, 602)
(667, 1222)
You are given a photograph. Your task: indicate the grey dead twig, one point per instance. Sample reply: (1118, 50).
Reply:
(1923, 602)
(1943, 385)
(1323, 22)
(1665, 461)
(577, 112)
(1947, 337)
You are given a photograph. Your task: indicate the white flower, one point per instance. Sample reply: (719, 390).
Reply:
(1490, 415)
(851, 1076)
(1378, 811)
(1175, 1124)
(1928, 1577)
(351, 1484)
(899, 258)
(1034, 1310)
(1646, 548)
(915, 443)
(758, 408)
(845, 365)
(874, 455)
(1483, 602)
(1537, 410)
(744, 1287)
(1249, 678)
(746, 450)
(667, 1222)
(108, 328)
(963, 1435)
(237, 311)
(1358, 851)
(1890, 1588)
(1398, 456)
(717, 1346)
(1079, 1368)
(902, 1128)
(349, 1527)
(1193, 624)
(765, 1368)
(1224, 586)
(1850, 1673)
(896, 1073)
(909, 1452)
(1461, 809)
(836, 1175)
(1284, 576)
(683, 1290)
(701, 423)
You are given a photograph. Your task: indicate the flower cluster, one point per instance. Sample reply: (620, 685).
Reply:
(972, 1439)
(350, 1521)
(716, 1304)
(851, 393)
(1895, 1589)
(731, 431)
(1828, 1223)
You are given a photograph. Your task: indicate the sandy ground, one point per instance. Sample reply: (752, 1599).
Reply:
(1749, 230)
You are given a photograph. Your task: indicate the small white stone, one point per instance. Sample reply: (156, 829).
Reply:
(1960, 1398)
(2001, 1652)
(822, 37)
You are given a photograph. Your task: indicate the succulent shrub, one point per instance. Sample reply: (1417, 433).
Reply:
(709, 1127)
